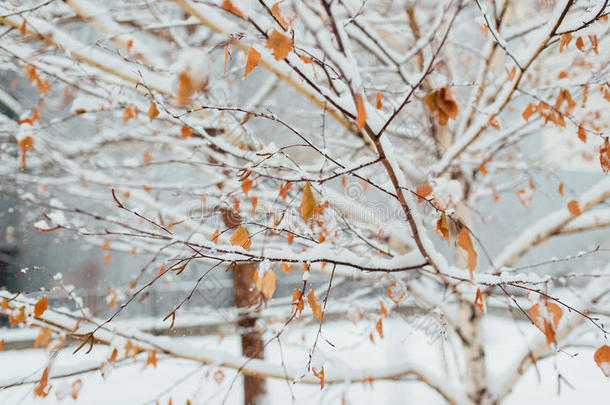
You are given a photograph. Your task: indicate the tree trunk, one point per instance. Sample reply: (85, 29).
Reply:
(477, 389)
(251, 338)
(244, 295)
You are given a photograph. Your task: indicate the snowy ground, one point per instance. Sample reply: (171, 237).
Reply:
(129, 383)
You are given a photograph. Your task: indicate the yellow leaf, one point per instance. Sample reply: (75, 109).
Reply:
(241, 238)
(307, 203)
(40, 306)
(280, 44)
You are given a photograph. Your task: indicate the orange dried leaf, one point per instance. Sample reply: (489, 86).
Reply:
(465, 243)
(43, 338)
(602, 358)
(275, 11)
(151, 359)
(582, 134)
(382, 310)
(313, 304)
(253, 57)
(478, 300)
(378, 100)
(268, 284)
(319, 375)
(565, 41)
(580, 44)
(604, 156)
(153, 111)
(593, 40)
(246, 185)
(379, 327)
(219, 376)
(286, 268)
(76, 387)
(40, 306)
(284, 189)
(186, 89)
(253, 203)
(510, 73)
(396, 292)
(442, 104)
(127, 114)
(423, 191)
(20, 318)
(494, 122)
(297, 300)
(308, 203)
(280, 44)
(228, 5)
(574, 208)
(361, 112)
(25, 144)
(186, 132)
(241, 238)
(529, 110)
(442, 227)
(42, 390)
(560, 189)
(227, 54)
(546, 316)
